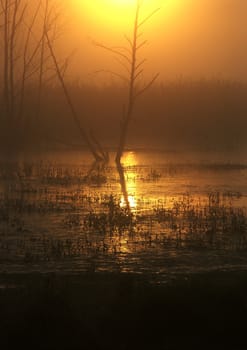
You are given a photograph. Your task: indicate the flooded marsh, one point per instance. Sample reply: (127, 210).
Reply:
(157, 214)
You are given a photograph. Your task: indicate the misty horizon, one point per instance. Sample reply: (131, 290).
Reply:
(191, 39)
(190, 115)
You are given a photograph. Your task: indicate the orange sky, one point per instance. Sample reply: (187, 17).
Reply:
(187, 38)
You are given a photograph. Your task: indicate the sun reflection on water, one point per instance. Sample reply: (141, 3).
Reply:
(129, 163)
(131, 200)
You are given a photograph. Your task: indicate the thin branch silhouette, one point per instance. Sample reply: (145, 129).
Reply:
(91, 145)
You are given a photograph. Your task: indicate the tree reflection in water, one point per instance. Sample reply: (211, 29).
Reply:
(125, 202)
(127, 177)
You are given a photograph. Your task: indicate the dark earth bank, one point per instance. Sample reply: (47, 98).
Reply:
(121, 311)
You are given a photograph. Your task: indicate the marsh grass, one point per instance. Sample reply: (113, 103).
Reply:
(59, 214)
(213, 222)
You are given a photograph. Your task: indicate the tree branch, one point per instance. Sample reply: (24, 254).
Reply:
(140, 92)
(148, 17)
(113, 51)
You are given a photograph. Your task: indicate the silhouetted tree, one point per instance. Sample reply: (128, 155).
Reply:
(93, 146)
(20, 39)
(19, 53)
(134, 67)
(29, 34)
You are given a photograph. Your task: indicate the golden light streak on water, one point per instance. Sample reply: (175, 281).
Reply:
(129, 163)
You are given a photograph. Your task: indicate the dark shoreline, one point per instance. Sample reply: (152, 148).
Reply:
(123, 311)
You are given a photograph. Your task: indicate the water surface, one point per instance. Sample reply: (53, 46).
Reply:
(159, 214)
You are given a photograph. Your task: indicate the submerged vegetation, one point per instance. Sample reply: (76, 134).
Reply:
(77, 216)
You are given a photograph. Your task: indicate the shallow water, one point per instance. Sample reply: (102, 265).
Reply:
(160, 214)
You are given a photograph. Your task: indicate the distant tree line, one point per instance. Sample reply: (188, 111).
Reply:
(198, 115)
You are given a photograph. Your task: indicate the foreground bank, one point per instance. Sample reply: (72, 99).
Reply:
(123, 311)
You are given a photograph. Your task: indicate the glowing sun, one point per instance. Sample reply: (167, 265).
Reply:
(114, 13)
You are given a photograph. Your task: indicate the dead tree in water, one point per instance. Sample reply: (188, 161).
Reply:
(92, 143)
(96, 151)
(135, 69)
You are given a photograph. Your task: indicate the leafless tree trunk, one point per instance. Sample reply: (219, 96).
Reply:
(29, 32)
(5, 12)
(135, 70)
(42, 56)
(12, 57)
(16, 46)
(94, 150)
(28, 58)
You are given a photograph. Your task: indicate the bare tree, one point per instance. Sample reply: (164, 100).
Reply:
(30, 31)
(20, 52)
(5, 25)
(96, 151)
(134, 66)
(30, 60)
(42, 58)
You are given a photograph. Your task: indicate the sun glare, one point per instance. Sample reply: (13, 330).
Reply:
(114, 13)
(110, 12)
(122, 2)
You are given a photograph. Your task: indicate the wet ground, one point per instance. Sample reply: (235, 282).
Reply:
(159, 214)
